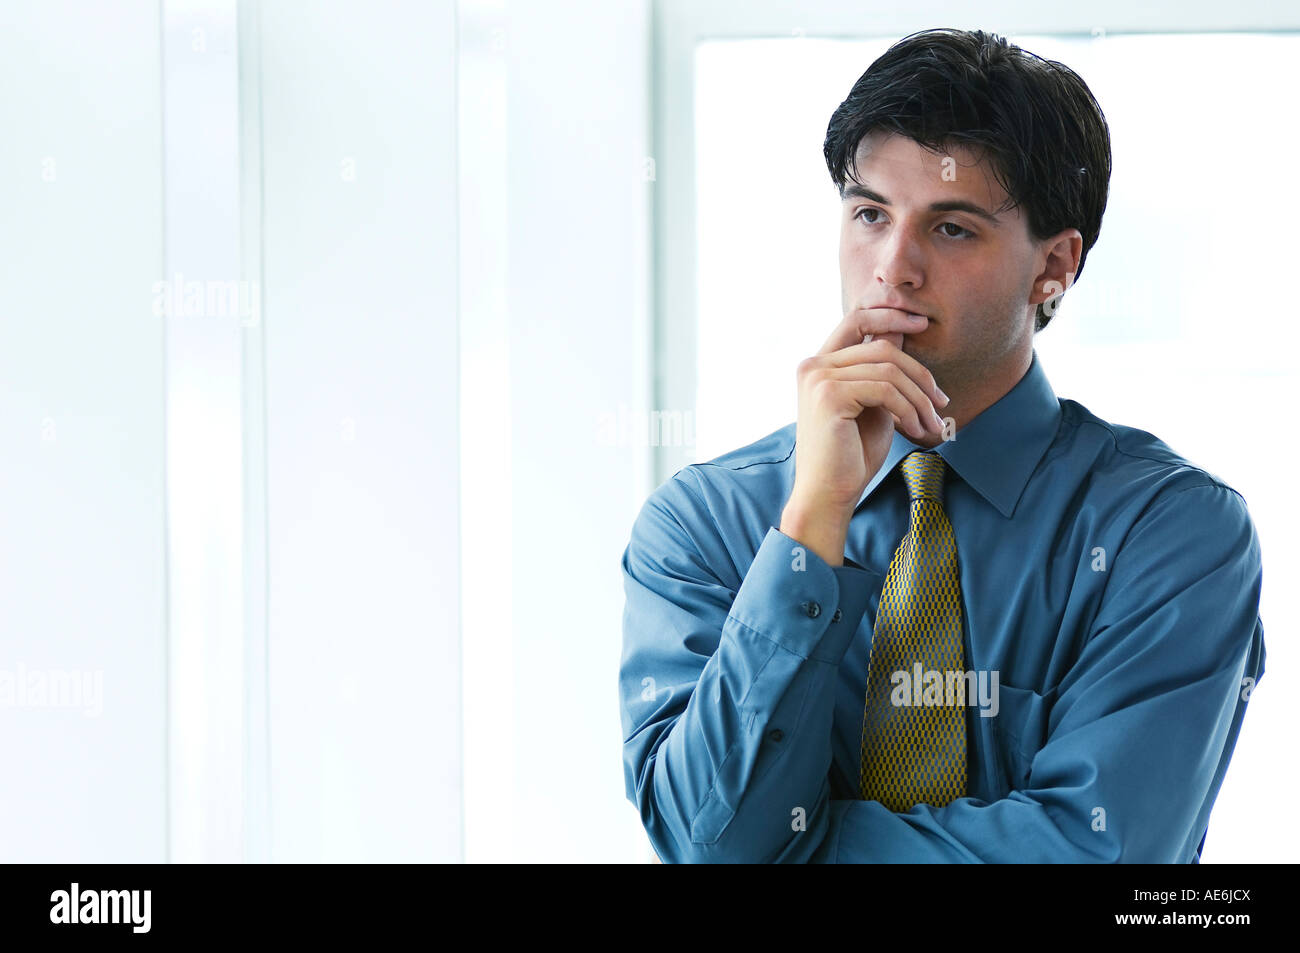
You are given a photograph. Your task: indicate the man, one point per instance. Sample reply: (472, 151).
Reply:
(945, 616)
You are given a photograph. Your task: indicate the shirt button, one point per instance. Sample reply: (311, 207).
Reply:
(837, 616)
(776, 734)
(813, 609)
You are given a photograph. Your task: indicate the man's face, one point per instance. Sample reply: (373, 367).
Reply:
(972, 276)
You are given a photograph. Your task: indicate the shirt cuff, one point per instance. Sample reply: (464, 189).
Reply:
(793, 597)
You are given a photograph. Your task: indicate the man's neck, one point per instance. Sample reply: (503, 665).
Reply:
(966, 404)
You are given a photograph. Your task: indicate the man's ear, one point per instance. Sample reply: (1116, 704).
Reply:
(1059, 257)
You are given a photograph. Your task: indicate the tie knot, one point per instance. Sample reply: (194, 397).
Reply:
(923, 473)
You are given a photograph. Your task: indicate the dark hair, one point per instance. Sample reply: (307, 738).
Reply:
(1035, 120)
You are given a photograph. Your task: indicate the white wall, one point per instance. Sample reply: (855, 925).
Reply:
(579, 192)
(572, 231)
(307, 703)
(206, 650)
(82, 575)
(308, 459)
(359, 283)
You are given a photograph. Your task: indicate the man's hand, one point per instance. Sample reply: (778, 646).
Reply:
(852, 393)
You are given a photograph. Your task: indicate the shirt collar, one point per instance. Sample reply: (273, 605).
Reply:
(997, 451)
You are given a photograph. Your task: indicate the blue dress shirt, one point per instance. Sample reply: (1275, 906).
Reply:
(1111, 585)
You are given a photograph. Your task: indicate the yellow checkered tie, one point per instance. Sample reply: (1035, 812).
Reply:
(914, 753)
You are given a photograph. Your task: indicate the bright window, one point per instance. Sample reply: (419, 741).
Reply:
(1181, 323)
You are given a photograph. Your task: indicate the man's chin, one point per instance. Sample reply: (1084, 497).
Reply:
(933, 362)
(918, 351)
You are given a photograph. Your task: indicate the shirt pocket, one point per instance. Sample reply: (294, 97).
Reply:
(1019, 731)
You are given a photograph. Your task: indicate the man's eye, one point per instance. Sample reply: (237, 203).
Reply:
(962, 233)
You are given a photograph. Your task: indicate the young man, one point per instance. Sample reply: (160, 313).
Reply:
(944, 616)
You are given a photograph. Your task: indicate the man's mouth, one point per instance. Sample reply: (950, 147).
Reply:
(890, 307)
(913, 314)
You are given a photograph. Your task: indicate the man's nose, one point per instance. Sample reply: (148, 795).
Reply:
(898, 260)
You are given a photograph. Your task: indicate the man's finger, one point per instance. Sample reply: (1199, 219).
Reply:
(914, 369)
(893, 338)
(861, 322)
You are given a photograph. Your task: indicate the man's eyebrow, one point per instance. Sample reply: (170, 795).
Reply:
(952, 205)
